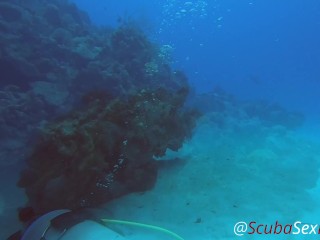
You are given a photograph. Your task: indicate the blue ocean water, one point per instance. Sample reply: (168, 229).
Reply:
(252, 157)
(253, 49)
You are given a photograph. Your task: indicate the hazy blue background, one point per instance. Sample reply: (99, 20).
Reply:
(253, 49)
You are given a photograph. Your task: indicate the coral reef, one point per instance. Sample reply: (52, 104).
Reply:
(21, 114)
(105, 150)
(270, 114)
(106, 102)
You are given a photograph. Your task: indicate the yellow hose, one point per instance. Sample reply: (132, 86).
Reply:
(142, 225)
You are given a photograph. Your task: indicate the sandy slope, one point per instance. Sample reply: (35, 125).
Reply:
(241, 172)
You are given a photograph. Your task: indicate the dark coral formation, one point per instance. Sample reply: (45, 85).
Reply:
(36, 69)
(21, 114)
(37, 38)
(118, 101)
(53, 41)
(105, 151)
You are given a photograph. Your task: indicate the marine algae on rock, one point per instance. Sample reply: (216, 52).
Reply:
(110, 104)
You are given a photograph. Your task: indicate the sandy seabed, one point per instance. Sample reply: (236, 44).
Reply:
(242, 171)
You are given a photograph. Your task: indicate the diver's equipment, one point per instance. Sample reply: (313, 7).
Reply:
(55, 225)
(146, 226)
(39, 228)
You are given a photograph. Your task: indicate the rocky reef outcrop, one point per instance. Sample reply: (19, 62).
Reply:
(105, 150)
(106, 102)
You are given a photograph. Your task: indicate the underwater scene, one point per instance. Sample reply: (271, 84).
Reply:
(159, 119)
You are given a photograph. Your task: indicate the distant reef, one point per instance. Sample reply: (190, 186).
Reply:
(105, 101)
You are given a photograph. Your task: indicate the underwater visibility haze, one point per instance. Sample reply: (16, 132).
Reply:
(162, 119)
